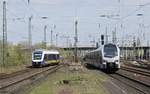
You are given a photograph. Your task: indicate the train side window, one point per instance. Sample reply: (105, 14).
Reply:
(54, 57)
(50, 57)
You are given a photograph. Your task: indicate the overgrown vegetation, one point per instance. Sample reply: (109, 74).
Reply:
(16, 55)
(20, 54)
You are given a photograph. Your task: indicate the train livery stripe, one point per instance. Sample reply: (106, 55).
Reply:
(52, 61)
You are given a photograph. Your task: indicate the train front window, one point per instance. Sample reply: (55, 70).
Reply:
(37, 55)
(110, 51)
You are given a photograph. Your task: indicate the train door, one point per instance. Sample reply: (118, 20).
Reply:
(57, 58)
(46, 58)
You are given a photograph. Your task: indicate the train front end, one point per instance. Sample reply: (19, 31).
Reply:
(111, 57)
(37, 59)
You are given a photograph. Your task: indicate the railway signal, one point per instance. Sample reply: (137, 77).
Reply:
(102, 39)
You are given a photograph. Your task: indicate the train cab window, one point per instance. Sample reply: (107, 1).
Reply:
(37, 55)
(110, 51)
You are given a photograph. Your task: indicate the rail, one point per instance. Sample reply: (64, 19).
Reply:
(136, 70)
(13, 83)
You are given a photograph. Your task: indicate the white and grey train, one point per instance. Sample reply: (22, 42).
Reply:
(106, 57)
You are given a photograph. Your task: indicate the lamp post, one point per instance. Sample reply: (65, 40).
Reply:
(57, 39)
(45, 43)
(54, 27)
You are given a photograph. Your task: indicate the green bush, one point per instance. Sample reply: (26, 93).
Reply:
(15, 56)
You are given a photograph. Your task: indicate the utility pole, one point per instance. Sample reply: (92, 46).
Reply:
(106, 35)
(76, 40)
(67, 41)
(134, 47)
(51, 37)
(99, 25)
(30, 35)
(45, 44)
(4, 51)
(114, 39)
(67, 45)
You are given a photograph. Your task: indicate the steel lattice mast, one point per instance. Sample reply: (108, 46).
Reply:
(4, 49)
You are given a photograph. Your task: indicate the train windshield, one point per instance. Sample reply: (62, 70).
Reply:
(37, 55)
(110, 50)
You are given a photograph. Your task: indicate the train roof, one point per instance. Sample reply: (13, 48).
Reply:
(45, 51)
(100, 48)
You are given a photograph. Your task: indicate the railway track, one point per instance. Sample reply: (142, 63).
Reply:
(140, 88)
(123, 84)
(139, 75)
(12, 83)
(5, 76)
(136, 70)
(136, 78)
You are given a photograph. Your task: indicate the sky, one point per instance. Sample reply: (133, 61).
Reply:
(62, 14)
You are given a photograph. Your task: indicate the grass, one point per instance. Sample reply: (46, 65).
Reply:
(11, 69)
(84, 82)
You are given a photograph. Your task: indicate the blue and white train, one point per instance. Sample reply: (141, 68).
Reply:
(43, 57)
(106, 57)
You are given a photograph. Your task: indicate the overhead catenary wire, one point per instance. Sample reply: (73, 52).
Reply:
(30, 7)
(80, 21)
(136, 10)
(16, 16)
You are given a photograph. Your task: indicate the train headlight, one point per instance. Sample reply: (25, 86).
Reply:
(116, 60)
(104, 61)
